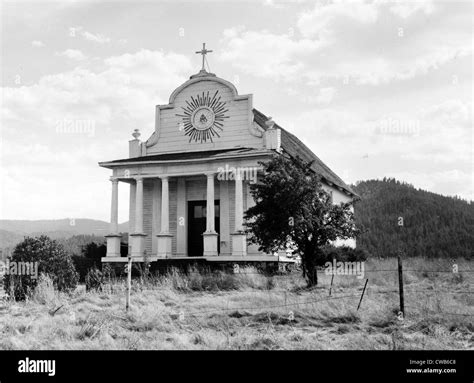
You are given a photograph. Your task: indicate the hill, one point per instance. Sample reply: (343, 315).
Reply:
(434, 225)
(13, 231)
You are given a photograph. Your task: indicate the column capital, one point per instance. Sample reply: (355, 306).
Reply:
(138, 178)
(114, 180)
(164, 177)
(210, 174)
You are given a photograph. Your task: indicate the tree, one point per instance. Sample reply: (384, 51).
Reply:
(50, 258)
(292, 207)
(90, 258)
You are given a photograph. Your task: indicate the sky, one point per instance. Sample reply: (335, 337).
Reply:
(374, 88)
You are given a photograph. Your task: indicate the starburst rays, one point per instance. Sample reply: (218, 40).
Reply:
(215, 104)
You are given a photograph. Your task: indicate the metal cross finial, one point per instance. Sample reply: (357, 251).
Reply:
(203, 52)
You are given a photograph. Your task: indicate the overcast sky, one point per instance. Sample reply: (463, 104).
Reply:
(375, 89)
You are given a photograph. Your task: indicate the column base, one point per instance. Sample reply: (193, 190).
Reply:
(239, 244)
(113, 245)
(210, 243)
(164, 245)
(138, 244)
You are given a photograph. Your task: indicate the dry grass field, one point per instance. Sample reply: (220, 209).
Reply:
(252, 311)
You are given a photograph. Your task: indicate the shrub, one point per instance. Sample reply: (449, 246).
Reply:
(44, 292)
(51, 259)
(94, 280)
(342, 254)
(90, 258)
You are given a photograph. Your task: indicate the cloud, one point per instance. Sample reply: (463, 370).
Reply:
(94, 37)
(370, 43)
(73, 54)
(323, 20)
(405, 9)
(271, 55)
(73, 120)
(37, 44)
(97, 38)
(326, 95)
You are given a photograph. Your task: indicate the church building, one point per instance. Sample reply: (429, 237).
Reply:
(190, 180)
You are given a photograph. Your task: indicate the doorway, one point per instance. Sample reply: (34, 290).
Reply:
(197, 213)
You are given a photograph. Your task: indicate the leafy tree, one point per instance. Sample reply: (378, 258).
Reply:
(292, 207)
(52, 260)
(91, 256)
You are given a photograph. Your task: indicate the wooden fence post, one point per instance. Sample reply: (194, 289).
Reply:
(400, 285)
(363, 291)
(129, 282)
(332, 280)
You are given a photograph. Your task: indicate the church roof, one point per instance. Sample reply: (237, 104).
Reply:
(295, 148)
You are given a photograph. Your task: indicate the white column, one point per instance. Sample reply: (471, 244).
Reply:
(138, 236)
(239, 203)
(210, 235)
(113, 239)
(239, 238)
(224, 228)
(165, 213)
(139, 206)
(164, 236)
(114, 207)
(210, 204)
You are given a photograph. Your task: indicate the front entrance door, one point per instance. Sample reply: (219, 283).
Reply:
(197, 225)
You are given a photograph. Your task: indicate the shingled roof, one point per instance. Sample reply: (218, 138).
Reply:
(291, 145)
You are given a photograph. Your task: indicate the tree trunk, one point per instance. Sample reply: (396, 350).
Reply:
(310, 269)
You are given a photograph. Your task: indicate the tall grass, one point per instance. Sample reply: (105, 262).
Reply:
(196, 309)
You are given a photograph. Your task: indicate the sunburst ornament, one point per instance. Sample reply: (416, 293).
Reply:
(203, 117)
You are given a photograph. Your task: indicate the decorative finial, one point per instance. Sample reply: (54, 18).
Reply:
(203, 52)
(136, 133)
(269, 123)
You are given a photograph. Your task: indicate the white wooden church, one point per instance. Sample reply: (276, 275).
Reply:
(189, 182)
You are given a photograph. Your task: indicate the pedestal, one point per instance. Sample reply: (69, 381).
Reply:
(239, 244)
(138, 244)
(164, 245)
(113, 245)
(210, 243)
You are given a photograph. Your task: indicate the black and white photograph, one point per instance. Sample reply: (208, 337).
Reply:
(236, 176)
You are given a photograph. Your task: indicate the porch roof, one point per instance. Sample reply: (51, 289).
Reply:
(188, 156)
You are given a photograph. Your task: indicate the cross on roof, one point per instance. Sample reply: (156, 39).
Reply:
(203, 52)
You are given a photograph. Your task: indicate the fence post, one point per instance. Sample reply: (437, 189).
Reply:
(400, 285)
(332, 280)
(129, 282)
(363, 291)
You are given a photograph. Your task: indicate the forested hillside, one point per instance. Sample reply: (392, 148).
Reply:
(434, 225)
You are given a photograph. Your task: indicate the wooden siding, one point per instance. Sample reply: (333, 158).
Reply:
(235, 131)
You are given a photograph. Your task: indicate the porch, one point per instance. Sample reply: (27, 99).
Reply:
(185, 216)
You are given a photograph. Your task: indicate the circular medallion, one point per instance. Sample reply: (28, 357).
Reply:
(203, 118)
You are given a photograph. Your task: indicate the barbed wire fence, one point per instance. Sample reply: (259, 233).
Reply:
(402, 292)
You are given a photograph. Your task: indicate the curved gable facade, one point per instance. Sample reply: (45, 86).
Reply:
(232, 127)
